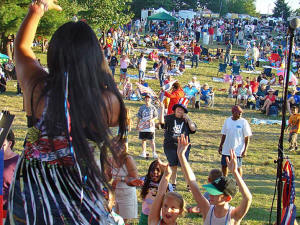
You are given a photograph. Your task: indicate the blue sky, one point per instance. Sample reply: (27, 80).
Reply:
(266, 6)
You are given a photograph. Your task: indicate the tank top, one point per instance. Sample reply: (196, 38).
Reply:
(211, 219)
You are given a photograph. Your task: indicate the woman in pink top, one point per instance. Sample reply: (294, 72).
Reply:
(269, 100)
(124, 62)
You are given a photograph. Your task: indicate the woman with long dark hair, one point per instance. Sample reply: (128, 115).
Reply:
(69, 110)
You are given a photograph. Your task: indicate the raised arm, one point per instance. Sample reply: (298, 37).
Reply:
(154, 215)
(189, 175)
(241, 210)
(27, 67)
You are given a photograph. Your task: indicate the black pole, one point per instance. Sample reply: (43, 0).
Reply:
(280, 144)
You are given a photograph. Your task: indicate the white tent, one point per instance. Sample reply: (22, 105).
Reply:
(161, 10)
(187, 14)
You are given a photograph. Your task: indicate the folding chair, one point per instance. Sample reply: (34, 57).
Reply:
(236, 70)
(268, 71)
(222, 68)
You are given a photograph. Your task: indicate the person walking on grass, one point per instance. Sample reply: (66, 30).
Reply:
(146, 125)
(294, 127)
(176, 124)
(221, 191)
(236, 134)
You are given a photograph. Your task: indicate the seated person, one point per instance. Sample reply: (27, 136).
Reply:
(293, 99)
(233, 89)
(2, 83)
(280, 80)
(219, 54)
(133, 62)
(168, 79)
(10, 162)
(242, 94)
(269, 100)
(254, 85)
(190, 93)
(195, 83)
(127, 88)
(261, 93)
(273, 79)
(153, 56)
(206, 94)
(182, 67)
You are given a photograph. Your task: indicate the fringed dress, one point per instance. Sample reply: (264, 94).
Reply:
(47, 187)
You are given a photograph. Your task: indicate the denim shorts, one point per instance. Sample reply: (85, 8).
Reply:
(172, 156)
(224, 163)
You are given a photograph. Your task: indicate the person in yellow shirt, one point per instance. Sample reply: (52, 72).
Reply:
(294, 127)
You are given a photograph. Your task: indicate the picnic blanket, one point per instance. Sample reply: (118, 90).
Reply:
(136, 77)
(252, 72)
(218, 79)
(266, 122)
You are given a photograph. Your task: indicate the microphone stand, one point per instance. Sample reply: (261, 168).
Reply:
(280, 144)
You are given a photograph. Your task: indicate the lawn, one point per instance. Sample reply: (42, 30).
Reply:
(259, 167)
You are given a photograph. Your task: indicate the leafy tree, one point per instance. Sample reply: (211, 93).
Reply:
(281, 9)
(105, 14)
(11, 15)
(297, 12)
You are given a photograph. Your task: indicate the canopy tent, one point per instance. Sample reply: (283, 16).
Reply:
(3, 58)
(162, 16)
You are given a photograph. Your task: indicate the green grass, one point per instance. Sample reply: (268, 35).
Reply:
(259, 167)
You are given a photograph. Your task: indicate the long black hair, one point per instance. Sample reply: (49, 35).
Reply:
(74, 51)
(146, 186)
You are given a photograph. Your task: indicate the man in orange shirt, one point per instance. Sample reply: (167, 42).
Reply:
(294, 122)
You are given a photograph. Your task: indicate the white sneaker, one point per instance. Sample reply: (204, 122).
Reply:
(155, 156)
(143, 155)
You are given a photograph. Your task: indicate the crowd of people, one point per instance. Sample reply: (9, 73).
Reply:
(57, 178)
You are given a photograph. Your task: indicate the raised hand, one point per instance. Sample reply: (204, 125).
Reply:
(183, 144)
(232, 163)
(48, 4)
(165, 168)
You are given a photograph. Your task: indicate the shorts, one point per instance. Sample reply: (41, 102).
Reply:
(224, 163)
(146, 135)
(172, 156)
(123, 71)
(243, 97)
(293, 139)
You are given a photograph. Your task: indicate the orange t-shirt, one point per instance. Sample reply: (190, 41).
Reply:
(294, 122)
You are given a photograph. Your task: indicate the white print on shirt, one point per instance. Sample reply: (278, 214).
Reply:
(177, 129)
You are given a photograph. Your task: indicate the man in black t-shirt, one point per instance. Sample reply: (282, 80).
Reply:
(175, 125)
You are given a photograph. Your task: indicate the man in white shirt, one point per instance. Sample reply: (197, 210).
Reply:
(236, 134)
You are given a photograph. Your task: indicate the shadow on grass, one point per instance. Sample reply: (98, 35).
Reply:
(9, 93)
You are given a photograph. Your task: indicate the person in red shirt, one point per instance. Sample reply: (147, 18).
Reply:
(269, 100)
(211, 34)
(196, 54)
(254, 85)
(176, 93)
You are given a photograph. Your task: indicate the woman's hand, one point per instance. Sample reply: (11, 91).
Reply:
(47, 5)
(183, 144)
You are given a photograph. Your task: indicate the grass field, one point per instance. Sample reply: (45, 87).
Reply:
(259, 167)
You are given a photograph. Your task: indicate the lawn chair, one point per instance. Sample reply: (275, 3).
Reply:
(204, 52)
(236, 70)
(222, 68)
(268, 71)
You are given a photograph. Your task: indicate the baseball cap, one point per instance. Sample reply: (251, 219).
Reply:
(147, 95)
(222, 185)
